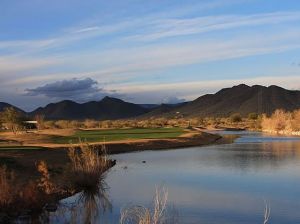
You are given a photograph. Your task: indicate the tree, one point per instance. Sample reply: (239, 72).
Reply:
(12, 119)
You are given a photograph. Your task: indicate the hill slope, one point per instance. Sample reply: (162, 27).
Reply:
(4, 105)
(107, 108)
(242, 99)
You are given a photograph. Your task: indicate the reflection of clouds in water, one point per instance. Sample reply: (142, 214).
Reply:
(213, 183)
(240, 157)
(219, 182)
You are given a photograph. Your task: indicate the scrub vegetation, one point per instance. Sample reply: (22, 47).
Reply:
(19, 196)
(282, 122)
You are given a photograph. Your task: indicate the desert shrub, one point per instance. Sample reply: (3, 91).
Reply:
(253, 116)
(89, 123)
(106, 124)
(236, 117)
(62, 124)
(296, 121)
(75, 124)
(49, 124)
(281, 121)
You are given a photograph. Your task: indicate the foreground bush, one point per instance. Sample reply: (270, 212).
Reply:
(282, 122)
(87, 164)
(236, 117)
(84, 173)
(16, 196)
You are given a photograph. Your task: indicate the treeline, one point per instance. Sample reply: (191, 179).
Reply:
(253, 122)
(13, 120)
(282, 122)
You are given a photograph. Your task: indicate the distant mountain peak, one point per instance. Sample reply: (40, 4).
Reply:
(108, 98)
(241, 99)
(241, 86)
(106, 109)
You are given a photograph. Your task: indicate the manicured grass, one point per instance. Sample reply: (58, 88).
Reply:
(119, 134)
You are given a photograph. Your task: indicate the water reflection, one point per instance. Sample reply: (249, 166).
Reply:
(218, 183)
(85, 207)
(212, 184)
(250, 156)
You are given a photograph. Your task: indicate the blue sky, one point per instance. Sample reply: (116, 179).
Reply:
(144, 51)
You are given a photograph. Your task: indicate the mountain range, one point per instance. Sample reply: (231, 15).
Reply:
(241, 99)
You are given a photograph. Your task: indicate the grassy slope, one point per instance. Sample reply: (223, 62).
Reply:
(119, 134)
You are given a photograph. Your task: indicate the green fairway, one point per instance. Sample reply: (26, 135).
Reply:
(119, 134)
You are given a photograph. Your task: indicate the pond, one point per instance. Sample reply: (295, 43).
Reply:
(213, 184)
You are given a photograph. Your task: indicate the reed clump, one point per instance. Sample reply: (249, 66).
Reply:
(143, 215)
(88, 164)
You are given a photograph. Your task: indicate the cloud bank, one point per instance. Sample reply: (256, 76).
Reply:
(80, 90)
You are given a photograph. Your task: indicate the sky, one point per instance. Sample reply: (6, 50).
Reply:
(158, 51)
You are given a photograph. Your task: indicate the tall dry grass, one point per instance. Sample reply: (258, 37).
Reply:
(159, 214)
(44, 182)
(282, 122)
(7, 194)
(143, 215)
(88, 165)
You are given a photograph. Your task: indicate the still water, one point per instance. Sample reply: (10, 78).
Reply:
(213, 184)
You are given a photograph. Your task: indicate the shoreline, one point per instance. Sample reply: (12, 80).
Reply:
(199, 138)
(284, 133)
(57, 158)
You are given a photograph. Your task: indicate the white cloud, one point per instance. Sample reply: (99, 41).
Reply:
(178, 27)
(80, 90)
(9, 64)
(118, 65)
